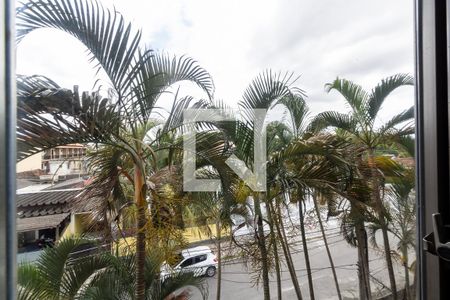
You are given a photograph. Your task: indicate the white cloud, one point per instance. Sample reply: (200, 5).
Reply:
(235, 40)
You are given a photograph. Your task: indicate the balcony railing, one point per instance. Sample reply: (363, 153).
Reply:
(65, 156)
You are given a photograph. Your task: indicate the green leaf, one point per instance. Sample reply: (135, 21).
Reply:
(383, 89)
(354, 94)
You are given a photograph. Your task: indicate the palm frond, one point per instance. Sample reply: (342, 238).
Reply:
(54, 263)
(105, 195)
(383, 89)
(109, 39)
(372, 230)
(82, 273)
(27, 85)
(354, 95)
(405, 116)
(388, 166)
(52, 117)
(154, 72)
(31, 285)
(333, 119)
(266, 89)
(178, 281)
(278, 136)
(298, 111)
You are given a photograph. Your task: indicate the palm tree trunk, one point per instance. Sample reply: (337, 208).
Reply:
(414, 285)
(277, 269)
(287, 253)
(363, 262)
(305, 251)
(381, 215)
(262, 247)
(362, 295)
(406, 269)
(108, 238)
(273, 240)
(140, 233)
(330, 258)
(219, 258)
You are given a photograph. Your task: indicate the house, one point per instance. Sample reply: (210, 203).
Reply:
(64, 160)
(47, 214)
(54, 164)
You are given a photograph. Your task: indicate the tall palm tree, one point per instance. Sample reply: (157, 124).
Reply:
(238, 139)
(360, 124)
(264, 91)
(402, 220)
(50, 116)
(320, 163)
(353, 219)
(279, 136)
(327, 248)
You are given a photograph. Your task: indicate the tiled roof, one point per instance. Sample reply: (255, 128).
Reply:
(45, 202)
(41, 222)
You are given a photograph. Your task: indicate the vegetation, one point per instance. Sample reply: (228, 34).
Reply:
(359, 125)
(330, 163)
(63, 273)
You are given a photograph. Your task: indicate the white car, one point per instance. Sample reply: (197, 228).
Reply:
(199, 260)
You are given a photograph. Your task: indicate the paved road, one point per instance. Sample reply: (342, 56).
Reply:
(236, 279)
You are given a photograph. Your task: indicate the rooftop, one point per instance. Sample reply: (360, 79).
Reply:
(43, 203)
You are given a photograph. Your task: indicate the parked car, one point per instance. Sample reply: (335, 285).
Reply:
(200, 260)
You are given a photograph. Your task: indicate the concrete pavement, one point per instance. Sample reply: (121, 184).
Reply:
(236, 279)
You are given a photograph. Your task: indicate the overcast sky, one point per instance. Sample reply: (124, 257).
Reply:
(363, 41)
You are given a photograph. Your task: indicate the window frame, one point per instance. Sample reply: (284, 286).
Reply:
(432, 139)
(8, 237)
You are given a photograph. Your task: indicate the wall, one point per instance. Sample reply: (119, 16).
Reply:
(192, 235)
(75, 227)
(59, 167)
(31, 163)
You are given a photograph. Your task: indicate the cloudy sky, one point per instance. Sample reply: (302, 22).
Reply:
(364, 41)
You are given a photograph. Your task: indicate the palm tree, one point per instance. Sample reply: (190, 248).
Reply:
(305, 166)
(264, 91)
(210, 208)
(402, 220)
(61, 273)
(50, 116)
(327, 248)
(360, 124)
(353, 219)
(279, 136)
(57, 274)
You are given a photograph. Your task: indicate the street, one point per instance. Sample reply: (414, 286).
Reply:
(236, 282)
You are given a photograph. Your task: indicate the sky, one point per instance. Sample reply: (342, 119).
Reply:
(360, 40)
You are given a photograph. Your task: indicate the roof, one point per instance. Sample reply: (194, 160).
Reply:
(70, 146)
(41, 222)
(45, 202)
(72, 183)
(407, 162)
(23, 183)
(32, 188)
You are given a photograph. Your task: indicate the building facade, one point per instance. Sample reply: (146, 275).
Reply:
(64, 160)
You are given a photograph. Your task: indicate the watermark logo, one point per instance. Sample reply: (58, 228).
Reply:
(255, 179)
